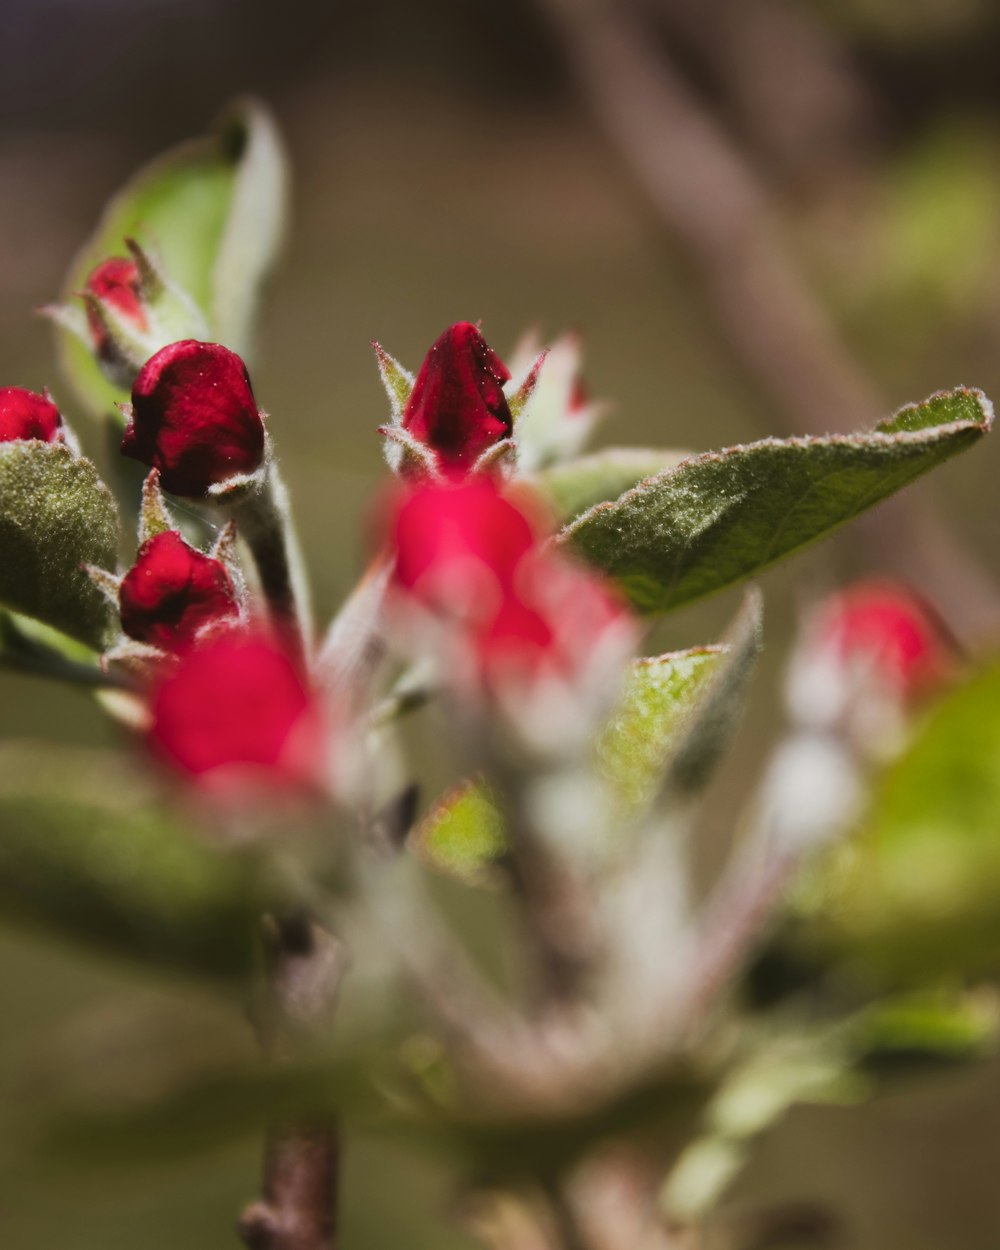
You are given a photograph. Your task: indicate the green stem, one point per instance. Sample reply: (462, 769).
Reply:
(264, 522)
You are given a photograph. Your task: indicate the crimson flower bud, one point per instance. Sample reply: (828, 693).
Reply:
(173, 591)
(116, 281)
(886, 631)
(457, 408)
(235, 714)
(25, 414)
(458, 546)
(194, 417)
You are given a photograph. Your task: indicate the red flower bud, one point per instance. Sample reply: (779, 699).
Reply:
(194, 417)
(884, 630)
(116, 282)
(25, 414)
(172, 591)
(235, 714)
(457, 547)
(543, 637)
(457, 407)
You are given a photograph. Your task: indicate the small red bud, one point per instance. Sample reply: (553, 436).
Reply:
(457, 547)
(884, 627)
(194, 417)
(457, 407)
(236, 714)
(172, 591)
(25, 414)
(116, 281)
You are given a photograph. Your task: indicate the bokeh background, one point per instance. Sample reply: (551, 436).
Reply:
(764, 217)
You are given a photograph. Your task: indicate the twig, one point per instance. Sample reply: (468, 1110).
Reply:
(301, 1160)
(708, 196)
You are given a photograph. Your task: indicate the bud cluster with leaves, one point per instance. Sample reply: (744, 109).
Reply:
(509, 584)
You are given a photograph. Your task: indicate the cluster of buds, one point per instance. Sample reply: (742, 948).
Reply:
(517, 629)
(512, 623)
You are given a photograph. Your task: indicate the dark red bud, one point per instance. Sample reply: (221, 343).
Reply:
(115, 281)
(236, 713)
(457, 407)
(194, 417)
(172, 591)
(25, 414)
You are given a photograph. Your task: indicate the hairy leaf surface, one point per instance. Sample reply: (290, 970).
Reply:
(723, 516)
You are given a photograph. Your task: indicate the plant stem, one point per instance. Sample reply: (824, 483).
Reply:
(264, 522)
(301, 1180)
(301, 1160)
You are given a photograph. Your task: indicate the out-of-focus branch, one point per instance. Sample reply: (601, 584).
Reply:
(711, 200)
(297, 1209)
(798, 95)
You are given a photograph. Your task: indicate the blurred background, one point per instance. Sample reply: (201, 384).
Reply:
(764, 218)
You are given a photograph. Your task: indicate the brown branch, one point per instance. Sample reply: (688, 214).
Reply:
(301, 1160)
(711, 200)
(301, 1171)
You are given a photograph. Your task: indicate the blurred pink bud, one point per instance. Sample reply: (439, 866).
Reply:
(458, 546)
(886, 630)
(194, 417)
(236, 714)
(457, 408)
(173, 591)
(25, 414)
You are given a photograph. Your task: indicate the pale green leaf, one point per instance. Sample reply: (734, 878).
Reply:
(723, 516)
(212, 210)
(573, 486)
(56, 516)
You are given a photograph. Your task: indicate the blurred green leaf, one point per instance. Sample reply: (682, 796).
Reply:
(917, 1034)
(917, 892)
(659, 701)
(462, 836)
(724, 516)
(55, 516)
(576, 485)
(213, 210)
(86, 853)
(717, 711)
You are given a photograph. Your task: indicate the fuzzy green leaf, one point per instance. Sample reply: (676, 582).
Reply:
(55, 516)
(87, 854)
(576, 485)
(723, 516)
(657, 705)
(212, 209)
